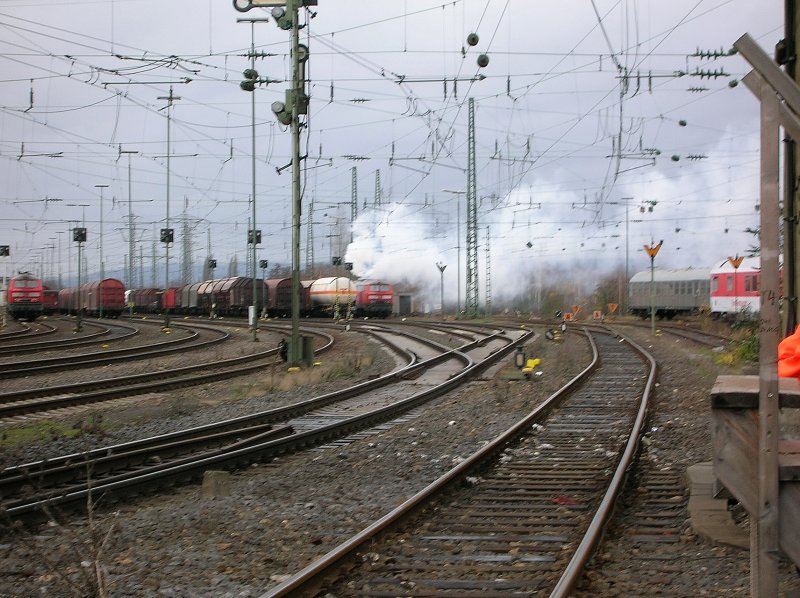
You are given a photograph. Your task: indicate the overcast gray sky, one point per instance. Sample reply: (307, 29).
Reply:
(587, 108)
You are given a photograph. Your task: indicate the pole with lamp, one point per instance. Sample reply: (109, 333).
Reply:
(263, 264)
(254, 235)
(102, 263)
(5, 251)
(458, 247)
(287, 112)
(79, 237)
(652, 251)
(212, 265)
(441, 268)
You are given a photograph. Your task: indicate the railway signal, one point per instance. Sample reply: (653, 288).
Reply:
(652, 251)
(79, 237)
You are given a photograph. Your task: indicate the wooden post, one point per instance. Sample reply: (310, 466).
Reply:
(764, 527)
(765, 85)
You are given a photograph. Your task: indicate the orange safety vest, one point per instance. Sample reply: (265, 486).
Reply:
(789, 356)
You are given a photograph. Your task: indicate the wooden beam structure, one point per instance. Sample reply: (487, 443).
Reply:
(772, 88)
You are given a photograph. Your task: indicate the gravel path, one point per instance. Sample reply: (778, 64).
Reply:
(281, 516)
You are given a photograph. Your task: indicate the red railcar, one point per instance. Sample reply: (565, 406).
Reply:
(170, 298)
(104, 297)
(49, 301)
(374, 299)
(24, 296)
(736, 290)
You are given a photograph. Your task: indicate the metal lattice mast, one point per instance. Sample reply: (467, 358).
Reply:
(378, 200)
(310, 240)
(186, 262)
(471, 305)
(488, 276)
(353, 199)
(155, 248)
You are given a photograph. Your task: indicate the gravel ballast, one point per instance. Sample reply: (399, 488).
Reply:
(281, 516)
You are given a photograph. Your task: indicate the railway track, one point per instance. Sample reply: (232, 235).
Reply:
(25, 330)
(34, 400)
(701, 337)
(31, 489)
(105, 331)
(522, 516)
(97, 358)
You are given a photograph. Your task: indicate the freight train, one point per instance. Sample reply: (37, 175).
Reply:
(333, 296)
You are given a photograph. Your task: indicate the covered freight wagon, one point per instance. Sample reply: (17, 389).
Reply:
(104, 298)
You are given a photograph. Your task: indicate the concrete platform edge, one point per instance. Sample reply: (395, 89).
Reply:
(709, 516)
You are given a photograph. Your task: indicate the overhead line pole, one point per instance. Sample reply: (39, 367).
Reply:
(253, 233)
(100, 300)
(167, 235)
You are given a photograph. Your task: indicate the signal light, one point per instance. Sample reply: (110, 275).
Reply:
(282, 18)
(212, 264)
(263, 264)
(167, 235)
(283, 114)
(79, 235)
(250, 80)
(5, 250)
(250, 237)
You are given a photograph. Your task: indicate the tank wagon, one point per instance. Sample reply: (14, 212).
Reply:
(24, 296)
(331, 295)
(679, 292)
